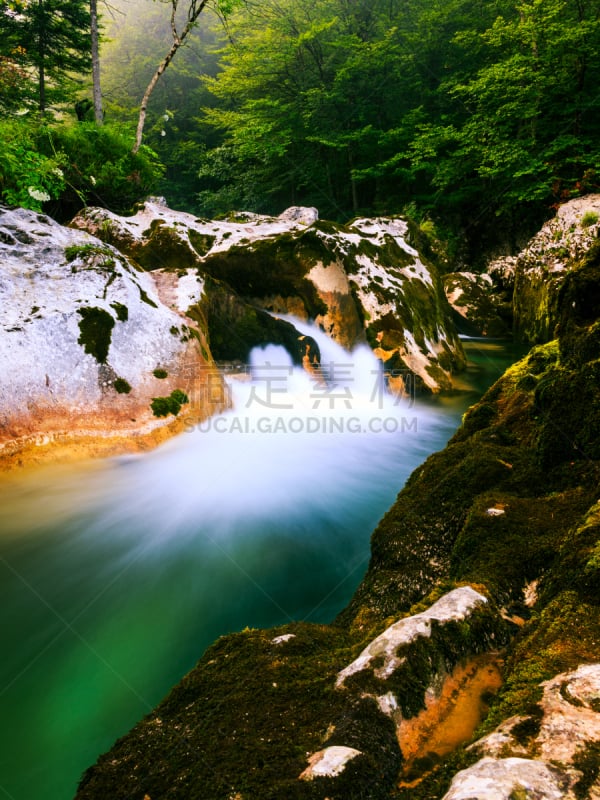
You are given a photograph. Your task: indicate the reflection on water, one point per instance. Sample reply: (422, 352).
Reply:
(116, 576)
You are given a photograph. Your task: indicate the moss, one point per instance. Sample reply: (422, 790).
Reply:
(121, 386)
(160, 373)
(527, 729)
(273, 266)
(588, 219)
(163, 406)
(121, 311)
(85, 251)
(164, 248)
(201, 242)
(587, 761)
(95, 328)
(144, 297)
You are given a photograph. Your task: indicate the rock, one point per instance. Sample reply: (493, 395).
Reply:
(474, 301)
(329, 762)
(529, 447)
(355, 282)
(542, 266)
(283, 638)
(567, 720)
(304, 216)
(509, 779)
(83, 335)
(407, 323)
(455, 606)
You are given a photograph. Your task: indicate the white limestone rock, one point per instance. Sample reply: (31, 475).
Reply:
(542, 266)
(372, 283)
(52, 381)
(328, 763)
(507, 778)
(454, 606)
(285, 637)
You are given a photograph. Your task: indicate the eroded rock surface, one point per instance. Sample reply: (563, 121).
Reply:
(86, 341)
(362, 281)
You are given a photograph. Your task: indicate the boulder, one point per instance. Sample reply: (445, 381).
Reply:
(88, 341)
(480, 310)
(509, 779)
(357, 282)
(542, 266)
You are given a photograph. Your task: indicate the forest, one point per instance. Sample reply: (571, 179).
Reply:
(473, 119)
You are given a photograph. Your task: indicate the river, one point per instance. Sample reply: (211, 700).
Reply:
(116, 576)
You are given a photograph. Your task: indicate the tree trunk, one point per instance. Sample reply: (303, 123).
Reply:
(42, 57)
(97, 92)
(194, 11)
(145, 99)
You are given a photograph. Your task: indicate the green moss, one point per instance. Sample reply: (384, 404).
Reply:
(121, 386)
(164, 248)
(275, 266)
(201, 242)
(95, 332)
(121, 311)
(588, 219)
(85, 251)
(160, 373)
(144, 297)
(163, 406)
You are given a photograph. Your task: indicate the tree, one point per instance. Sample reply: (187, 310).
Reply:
(95, 45)
(179, 33)
(53, 39)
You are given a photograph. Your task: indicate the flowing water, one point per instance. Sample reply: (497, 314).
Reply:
(116, 576)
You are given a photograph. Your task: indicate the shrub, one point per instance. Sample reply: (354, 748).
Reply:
(100, 168)
(75, 164)
(28, 178)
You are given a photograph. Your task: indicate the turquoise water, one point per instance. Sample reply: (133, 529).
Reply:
(114, 578)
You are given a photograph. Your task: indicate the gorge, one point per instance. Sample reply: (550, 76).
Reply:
(511, 503)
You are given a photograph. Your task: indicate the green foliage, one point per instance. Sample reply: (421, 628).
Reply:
(28, 178)
(160, 373)
(51, 37)
(163, 406)
(66, 166)
(100, 168)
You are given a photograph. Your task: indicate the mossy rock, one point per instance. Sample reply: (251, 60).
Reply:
(235, 327)
(164, 248)
(278, 265)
